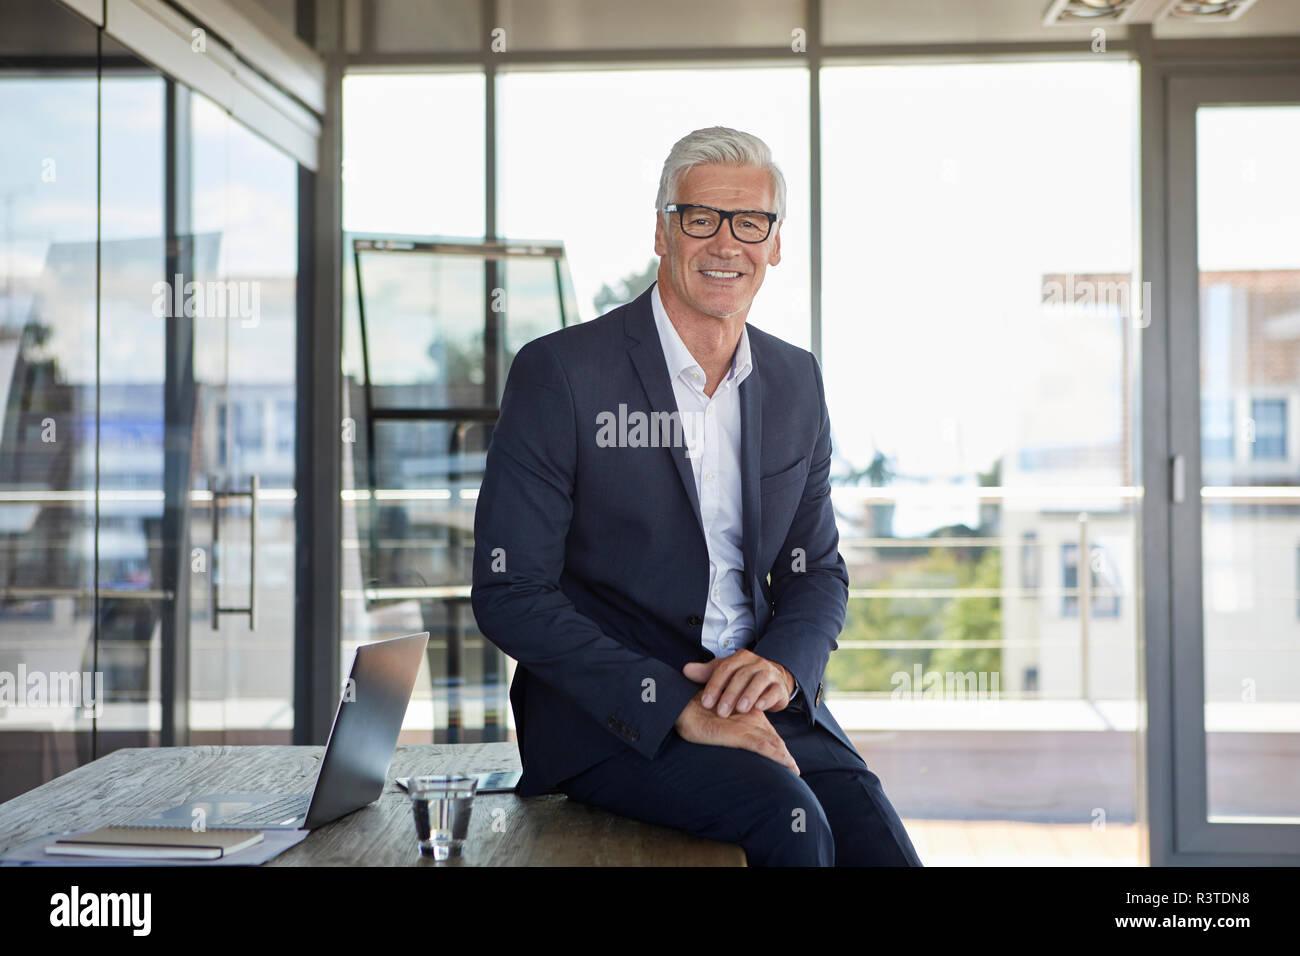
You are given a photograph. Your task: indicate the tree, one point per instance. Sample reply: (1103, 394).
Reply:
(888, 618)
(629, 288)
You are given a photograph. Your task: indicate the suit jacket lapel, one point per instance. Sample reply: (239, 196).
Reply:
(648, 358)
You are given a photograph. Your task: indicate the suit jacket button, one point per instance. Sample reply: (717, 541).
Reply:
(817, 700)
(695, 620)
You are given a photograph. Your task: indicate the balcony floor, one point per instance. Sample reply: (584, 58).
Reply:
(1015, 843)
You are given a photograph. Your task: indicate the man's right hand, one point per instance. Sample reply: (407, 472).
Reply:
(749, 731)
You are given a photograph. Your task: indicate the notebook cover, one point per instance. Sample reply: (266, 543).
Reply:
(120, 840)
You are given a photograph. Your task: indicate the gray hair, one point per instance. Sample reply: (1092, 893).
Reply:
(718, 144)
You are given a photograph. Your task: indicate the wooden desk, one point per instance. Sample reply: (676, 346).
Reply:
(505, 830)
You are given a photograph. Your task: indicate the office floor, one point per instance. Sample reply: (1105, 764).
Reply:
(1014, 843)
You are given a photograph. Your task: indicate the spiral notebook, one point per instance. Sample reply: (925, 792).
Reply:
(155, 843)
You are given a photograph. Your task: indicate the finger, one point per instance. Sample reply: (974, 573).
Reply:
(771, 745)
(722, 670)
(703, 670)
(780, 743)
(739, 681)
(770, 693)
(792, 765)
(773, 699)
(760, 685)
(765, 677)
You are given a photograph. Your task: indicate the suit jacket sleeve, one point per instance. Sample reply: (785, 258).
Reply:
(521, 522)
(810, 604)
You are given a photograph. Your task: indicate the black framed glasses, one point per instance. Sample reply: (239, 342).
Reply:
(701, 222)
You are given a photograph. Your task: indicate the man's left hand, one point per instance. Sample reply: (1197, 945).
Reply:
(741, 682)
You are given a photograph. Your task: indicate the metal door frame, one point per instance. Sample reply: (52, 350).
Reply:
(1177, 804)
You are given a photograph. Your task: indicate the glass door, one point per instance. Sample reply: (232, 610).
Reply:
(1234, 224)
(242, 234)
(148, 269)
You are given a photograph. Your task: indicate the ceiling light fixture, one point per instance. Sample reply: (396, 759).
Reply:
(1207, 9)
(1062, 13)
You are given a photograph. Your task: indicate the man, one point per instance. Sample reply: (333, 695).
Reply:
(650, 472)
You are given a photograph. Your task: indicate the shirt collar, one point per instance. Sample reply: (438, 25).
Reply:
(679, 357)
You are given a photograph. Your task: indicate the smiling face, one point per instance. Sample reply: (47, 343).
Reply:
(718, 276)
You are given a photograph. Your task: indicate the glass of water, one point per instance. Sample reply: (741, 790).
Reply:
(442, 805)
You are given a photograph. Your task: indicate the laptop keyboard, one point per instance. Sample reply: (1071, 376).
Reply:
(292, 806)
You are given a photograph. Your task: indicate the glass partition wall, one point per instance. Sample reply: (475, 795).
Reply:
(148, 264)
(48, 508)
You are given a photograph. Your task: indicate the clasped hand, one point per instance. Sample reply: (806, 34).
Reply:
(751, 685)
(742, 681)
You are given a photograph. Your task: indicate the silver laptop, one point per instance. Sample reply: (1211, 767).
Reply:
(357, 755)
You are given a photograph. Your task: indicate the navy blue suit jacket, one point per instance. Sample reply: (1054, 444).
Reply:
(590, 564)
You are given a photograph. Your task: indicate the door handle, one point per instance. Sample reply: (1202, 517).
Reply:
(1178, 479)
(214, 584)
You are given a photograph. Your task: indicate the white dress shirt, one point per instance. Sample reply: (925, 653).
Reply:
(711, 427)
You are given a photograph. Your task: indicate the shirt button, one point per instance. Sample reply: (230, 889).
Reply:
(709, 476)
(715, 592)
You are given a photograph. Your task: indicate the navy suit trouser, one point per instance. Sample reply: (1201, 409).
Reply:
(833, 813)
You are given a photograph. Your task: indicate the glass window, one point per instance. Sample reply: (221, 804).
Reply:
(980, 332)
(638, 115)
(413, 154)
(1070, 580)
(1269, 418)
(1248, 252)
(1030, 559)
(424, 320)
(248, 426)
(1105, 596)
(976, 337)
